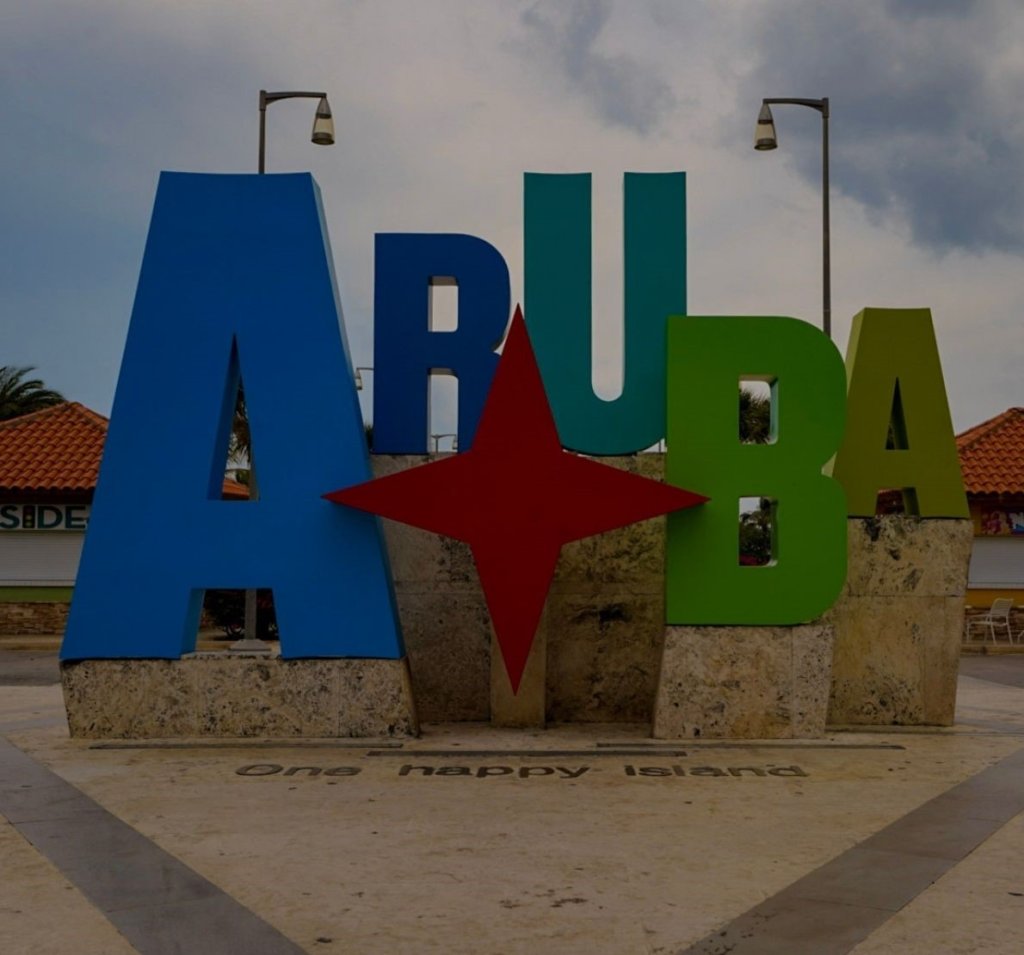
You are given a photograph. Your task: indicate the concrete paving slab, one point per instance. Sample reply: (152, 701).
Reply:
(873, 878)
(211, 924)
(851, 894)
(578, 839)
(977, 907)
(42, 913)
(29, 667)
(1002, 668)
(147, 894)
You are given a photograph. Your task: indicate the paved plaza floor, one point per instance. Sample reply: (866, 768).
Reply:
(576, 840)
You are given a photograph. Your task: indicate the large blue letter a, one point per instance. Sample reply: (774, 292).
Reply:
(236, 279)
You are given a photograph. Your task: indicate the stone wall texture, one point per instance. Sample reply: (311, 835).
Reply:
(899, 621)
(603, 624)
(897, 626)
(744, 682)
(30, 618)
(604, 653)
(238, 695)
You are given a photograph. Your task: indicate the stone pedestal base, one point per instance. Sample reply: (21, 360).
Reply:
(524, 709)
(234, 695)
(603, 623)
(744, 682)
(896, 660)
(899, 621)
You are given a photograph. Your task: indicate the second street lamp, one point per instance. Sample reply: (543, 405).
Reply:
(323, 135)
(323, 122)
(764, 139)
(448, 434)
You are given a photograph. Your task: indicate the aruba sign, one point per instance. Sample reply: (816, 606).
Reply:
(237, 279)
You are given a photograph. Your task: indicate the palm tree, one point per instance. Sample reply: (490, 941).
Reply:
(240, 441)
(755, 417)
(756, 526)
(20, 396)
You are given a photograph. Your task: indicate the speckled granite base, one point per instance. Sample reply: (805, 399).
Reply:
(744, 682)
(899, 622)
(233, 695)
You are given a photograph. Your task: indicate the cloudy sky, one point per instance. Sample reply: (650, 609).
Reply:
(441, 105)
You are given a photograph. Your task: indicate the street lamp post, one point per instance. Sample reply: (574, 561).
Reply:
(323, 123)
(323, 135)
(358, 379)
(448, 434)
(765, 139)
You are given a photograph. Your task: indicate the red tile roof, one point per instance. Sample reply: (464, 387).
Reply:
(59, 449)
(235, 489)
(992, 454)
(56, 449)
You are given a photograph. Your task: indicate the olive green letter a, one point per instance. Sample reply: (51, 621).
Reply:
(898, 430)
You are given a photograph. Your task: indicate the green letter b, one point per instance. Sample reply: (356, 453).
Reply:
(707, 360)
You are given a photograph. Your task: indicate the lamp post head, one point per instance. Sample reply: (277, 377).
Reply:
(323, 124)
(764, 135)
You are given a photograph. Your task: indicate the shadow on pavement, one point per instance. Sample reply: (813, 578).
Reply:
(1008, 669)
(28, 668)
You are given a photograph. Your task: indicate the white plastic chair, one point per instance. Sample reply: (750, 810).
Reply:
(998, 615)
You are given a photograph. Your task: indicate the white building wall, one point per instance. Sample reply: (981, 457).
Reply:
(39, 558)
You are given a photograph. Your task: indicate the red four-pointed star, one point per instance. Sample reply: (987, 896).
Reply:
(516, 497)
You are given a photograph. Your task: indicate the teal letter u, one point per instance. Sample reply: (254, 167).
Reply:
(557, 256)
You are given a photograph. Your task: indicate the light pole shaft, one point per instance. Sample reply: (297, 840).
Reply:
(263, 134)
(821, 105)
(826, 231)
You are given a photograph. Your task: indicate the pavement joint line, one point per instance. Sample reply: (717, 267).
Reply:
(832, 909)
(894, 729)
(606, 751)
(521, 753)
(377, 749)
(754, 744)
(159, 904)
(34, 722)
(244, 744)
(992, 728)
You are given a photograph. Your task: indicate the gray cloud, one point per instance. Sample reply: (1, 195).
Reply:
(99, 102)
(925, 111)
(623, 91)
(911, 9)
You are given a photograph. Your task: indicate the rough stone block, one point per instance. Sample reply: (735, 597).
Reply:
(812, 665)
(417, 557)
(899, 621)
(894, 554)
(422, 562)
(942, 666)
(129, 699)
(744, 682)
(525, 708)
(266, 696)
(374, 698)
(603, 655)
(448, 641)
(896, 660)
(630, 557)
(236, 695)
